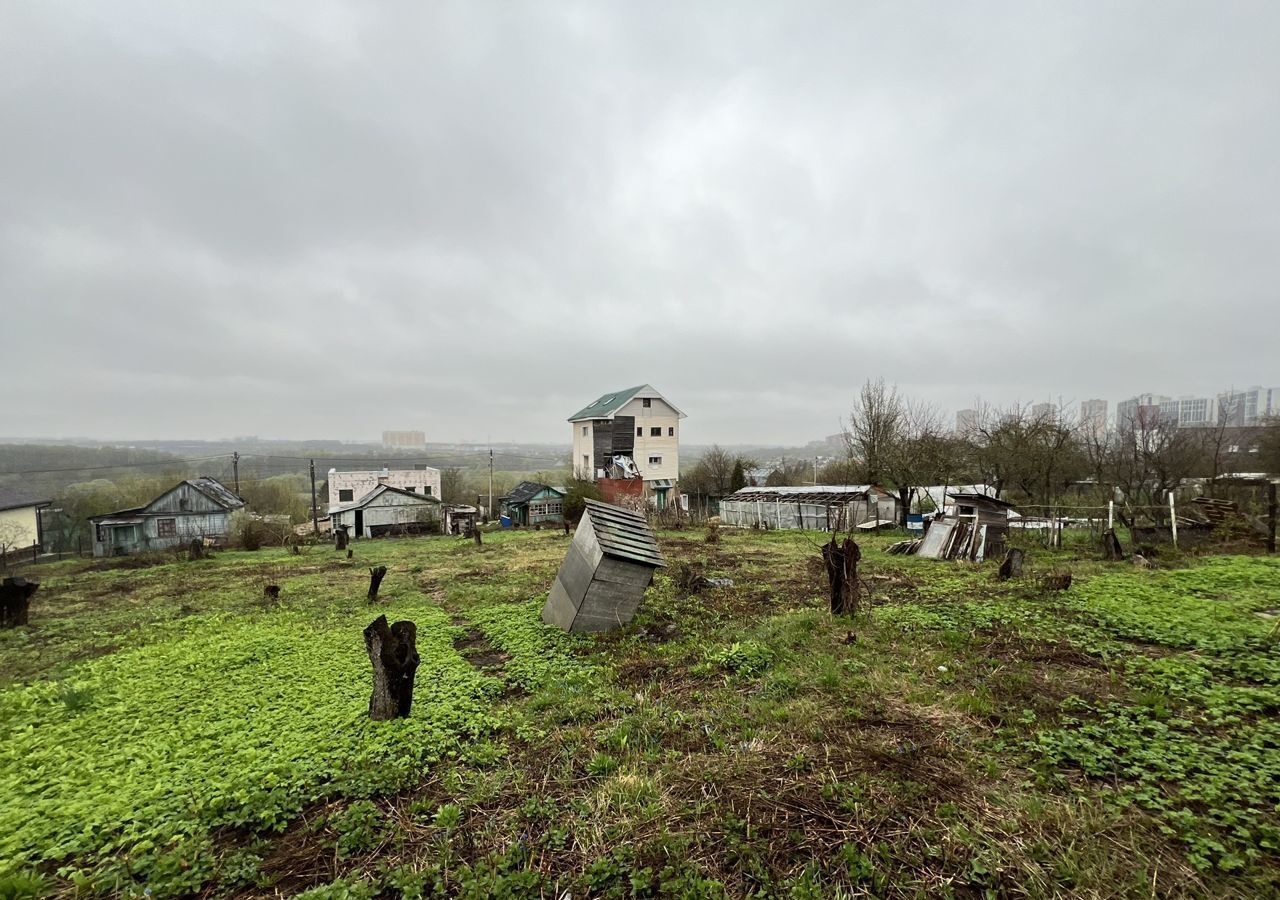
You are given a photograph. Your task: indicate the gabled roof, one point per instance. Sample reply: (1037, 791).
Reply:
(623, 534)
(610, 403)
(378, 492)
(526, 491)
(212, 488)
(18, 498)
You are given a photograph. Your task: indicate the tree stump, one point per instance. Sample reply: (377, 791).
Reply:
(475, 534)
(195, 550)
(15, 601)
(271, 591)
(841, 561)
(351, 554)
(393, 651)
(1012, 565)
(340, 538)
(1056, 582)
(376, 574)
(1111, 545)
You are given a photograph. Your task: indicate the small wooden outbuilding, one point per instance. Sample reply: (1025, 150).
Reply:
(974, 528)
(387, 510)
(604, 575)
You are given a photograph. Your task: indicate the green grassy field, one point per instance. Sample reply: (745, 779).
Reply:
(166, 728)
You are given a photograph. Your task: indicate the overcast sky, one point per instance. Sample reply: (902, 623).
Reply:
(324, 219)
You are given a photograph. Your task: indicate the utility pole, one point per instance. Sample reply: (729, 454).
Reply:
(490, 482)
(235, 467)
(315, 519)
(815, 471)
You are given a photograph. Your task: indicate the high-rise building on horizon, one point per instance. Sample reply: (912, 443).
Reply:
(1093, 417)
(412, 440)
(966, 421)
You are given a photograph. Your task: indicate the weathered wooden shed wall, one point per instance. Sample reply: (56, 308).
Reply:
(605, 572)
(198, 508)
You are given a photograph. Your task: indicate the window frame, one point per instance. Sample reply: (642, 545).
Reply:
(167, 528)
(655, 460)
(655, 431)
(346, 495)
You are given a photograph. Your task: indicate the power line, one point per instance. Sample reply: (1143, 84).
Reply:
(165, 462)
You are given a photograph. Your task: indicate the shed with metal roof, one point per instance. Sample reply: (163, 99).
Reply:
(605, 572)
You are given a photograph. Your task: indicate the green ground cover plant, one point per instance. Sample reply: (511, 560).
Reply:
(167, 729)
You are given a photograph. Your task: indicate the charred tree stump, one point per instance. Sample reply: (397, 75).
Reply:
(475, 534)
(1056, 582)
(15, 601)
(1012, 565)
(393, 651)
(195, 550)
(271, 592)
(1111, 545)
(340, 538)
(376, 574)
(841, 561)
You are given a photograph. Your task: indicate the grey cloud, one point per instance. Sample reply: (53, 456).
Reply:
(284, 220)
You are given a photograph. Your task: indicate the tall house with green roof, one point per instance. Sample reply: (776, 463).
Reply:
(629, 441)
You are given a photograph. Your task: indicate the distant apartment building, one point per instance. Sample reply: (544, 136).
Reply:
(1093, 417)
(966, 421)
(1250, 406)
(412, 440)
(1043, 411)
(348, 487)
(1142, 411)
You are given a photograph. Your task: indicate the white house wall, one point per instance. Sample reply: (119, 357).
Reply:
(659, 414)
(361, 483)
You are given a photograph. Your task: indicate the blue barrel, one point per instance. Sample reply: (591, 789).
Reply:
(504, 521)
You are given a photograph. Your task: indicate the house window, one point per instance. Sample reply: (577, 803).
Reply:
(426, 490)
(102, 533)
(646, 402)
(184, 503)
(166, 528)
(586, 464)
(639, 432)
(655, 432)
(550, 508)
(584, 430)
(671, 431)
(412, 490)
(345, 496)
(655, 460)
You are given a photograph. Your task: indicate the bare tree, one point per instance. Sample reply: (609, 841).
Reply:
(875, 428)
(896, 442)
(1150, 457)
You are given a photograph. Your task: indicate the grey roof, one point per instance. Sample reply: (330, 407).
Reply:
(623, 534)
(526, 491)
(979, 499)
(216, 491)
(211, 487)
(14, 497)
